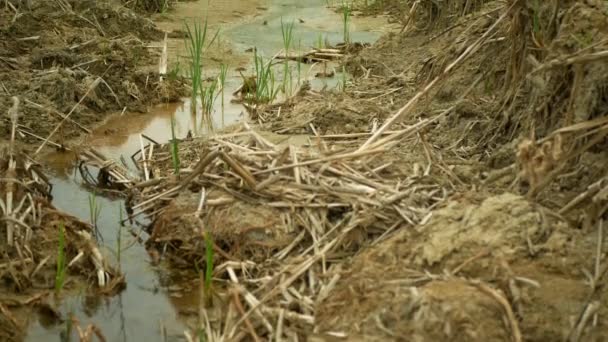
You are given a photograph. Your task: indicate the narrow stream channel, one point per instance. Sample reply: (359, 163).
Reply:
(152, 308)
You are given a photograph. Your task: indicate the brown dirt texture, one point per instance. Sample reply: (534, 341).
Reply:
(78, 60)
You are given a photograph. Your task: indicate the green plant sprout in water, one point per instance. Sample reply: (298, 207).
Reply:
(346, 14)
(222, 80)
(287, 33)
(299, 65)
(319, 44)
(174, 148)
(61, 260)
(208, 97)
(94, 209)
(265, 91)
(195, 45)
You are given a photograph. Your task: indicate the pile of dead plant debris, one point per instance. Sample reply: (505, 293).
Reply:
(78, 60)
(43, 251)
(456, 190)
(150, 6)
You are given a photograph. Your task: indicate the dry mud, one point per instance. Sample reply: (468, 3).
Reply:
(506, 249)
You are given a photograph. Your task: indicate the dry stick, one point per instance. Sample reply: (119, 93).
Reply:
(241, 310)
(295, 274)
(296, 170)
(41, 138)
(10, 317)
(591, 191)
(349, 155)
(571, 60)
(143, 157)
(13, 114)
(408, 106)
(93, 86)
(516, 333)
(591, 306)
(200, 167)
(241, 171)
(590, 311)
(63, 116)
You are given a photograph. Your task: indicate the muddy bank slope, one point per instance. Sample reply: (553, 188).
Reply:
(85, 59)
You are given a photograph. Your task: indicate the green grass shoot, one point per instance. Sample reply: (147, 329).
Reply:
(287, 34)
(208, 96)
(346, 14)
(174, 148)
(222, 80)
(61, 260)
(265, 91)
(195, 45)
(94, 209)
(319, 44)
(299, 65)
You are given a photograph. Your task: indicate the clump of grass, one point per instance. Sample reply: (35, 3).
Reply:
(346, 17)
(346, 14)
(319, 44)
(94, 209)
(287, 34)
(208, 97)
(61, 260)
(195, 45)
(299, 61)
(174, 148)
(265, 91)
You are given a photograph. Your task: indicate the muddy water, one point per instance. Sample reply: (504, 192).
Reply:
(152, 308)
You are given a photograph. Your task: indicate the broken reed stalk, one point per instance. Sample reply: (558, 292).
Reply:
(91, 87)
(471, 49)
(13, 114)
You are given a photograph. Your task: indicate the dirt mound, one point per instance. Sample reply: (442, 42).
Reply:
(86, 59)
(519, 248)
(241, 230)
(439, 310)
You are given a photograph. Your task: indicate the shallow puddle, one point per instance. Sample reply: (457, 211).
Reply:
(155, 306)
